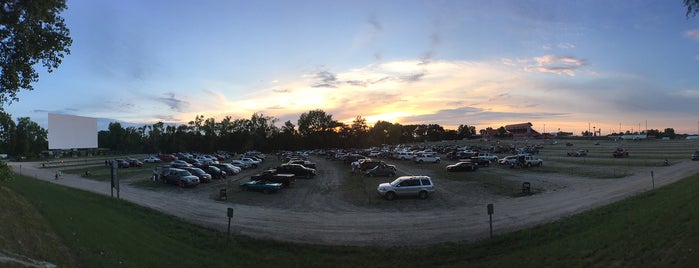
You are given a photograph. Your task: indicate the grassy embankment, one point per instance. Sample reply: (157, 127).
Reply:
(69, 227)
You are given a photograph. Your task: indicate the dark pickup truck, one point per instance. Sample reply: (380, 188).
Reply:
(271, 175)
(477, 161)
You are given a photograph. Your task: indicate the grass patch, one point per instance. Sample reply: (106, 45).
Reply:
(657, 228)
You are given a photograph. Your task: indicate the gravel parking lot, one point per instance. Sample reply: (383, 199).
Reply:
(331, 209)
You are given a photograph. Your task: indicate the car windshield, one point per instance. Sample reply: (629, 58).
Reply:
(396, 181)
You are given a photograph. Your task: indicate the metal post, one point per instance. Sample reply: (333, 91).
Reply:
(230, 216)
(490, 214)
(652, 178)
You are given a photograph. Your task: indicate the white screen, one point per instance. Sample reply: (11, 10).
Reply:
(72, 132)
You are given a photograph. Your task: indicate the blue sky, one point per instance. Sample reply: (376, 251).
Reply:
(558, 64)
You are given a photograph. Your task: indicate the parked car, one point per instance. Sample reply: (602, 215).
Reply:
(270, 175)
(488, 156)
(462, 166)
(695, 156)
(381, 170)
(240, 164)
(180, 164)
(302, 162)
(167, 157)
(508, 160)
(261, 186)
(122, 163)
(228, 168)
(152, 159)
(420, 186)
(179, 177)
(251, 162)
(200, 173)
(296, 169)
(216, 173)
(421, 158)
(134, 162)
(578, 153)
(620, 152)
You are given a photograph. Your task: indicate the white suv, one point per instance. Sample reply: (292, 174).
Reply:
(420, 158)
(420, 186)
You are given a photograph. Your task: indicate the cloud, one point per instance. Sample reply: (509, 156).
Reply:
(327, 80)
(171, 101)
(412, 77)
(556, 64)
(375, 23)
(692, 34)
(280, 90)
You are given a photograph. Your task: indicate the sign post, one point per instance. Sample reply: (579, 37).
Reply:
(652, 179)
(491, 210)
(230, 215)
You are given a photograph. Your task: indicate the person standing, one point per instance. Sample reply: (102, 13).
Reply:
(155, 174)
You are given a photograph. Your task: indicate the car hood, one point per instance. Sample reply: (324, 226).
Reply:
(385, 185)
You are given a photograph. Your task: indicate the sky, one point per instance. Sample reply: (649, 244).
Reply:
(571, 66)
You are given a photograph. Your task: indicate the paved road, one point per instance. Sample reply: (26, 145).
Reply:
(349, 225)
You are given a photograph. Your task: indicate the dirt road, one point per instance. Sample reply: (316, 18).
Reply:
(318, 215)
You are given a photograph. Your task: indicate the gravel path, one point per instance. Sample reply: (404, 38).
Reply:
(333, 221)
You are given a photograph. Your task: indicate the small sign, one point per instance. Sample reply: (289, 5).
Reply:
(491, 210)
(230, 212)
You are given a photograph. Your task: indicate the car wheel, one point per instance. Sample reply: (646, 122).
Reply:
(529, 164)
(390, 196)
(437, 161)
(422, 194)
(420, 161)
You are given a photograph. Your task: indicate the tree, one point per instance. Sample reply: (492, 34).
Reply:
(466, 131)
(30, 138)
(669, 132)
(692, 7)
(31, 32)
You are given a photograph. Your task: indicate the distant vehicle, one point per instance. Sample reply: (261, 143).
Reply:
(578, 153)
(374, 153)
(216, 173)
(167, 157)
(462, 166)
(421, 158)
(695, 156)
(252, 163)
(270, 175)
(179, 177)
(180, 164)
(152, 159)
(296, 169)
(620, 152)
(228, 168)
(508, 160)
(420, 186)
(122, 163)
(304, 163)
(403, 156)
(488, 156)
(261, 186)
(240, 164)
(200, 173)
(381, 170)
(134, 162)
(530, 161)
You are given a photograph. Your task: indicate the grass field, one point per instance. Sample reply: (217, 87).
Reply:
(70, 228)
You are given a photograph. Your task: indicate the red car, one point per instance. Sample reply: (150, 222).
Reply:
(167, 157)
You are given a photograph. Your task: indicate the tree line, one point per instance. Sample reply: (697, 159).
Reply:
(313, 130)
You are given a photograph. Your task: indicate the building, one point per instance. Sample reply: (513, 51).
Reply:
(522, 130)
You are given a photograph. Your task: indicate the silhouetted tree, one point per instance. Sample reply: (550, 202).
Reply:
(31, 32)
